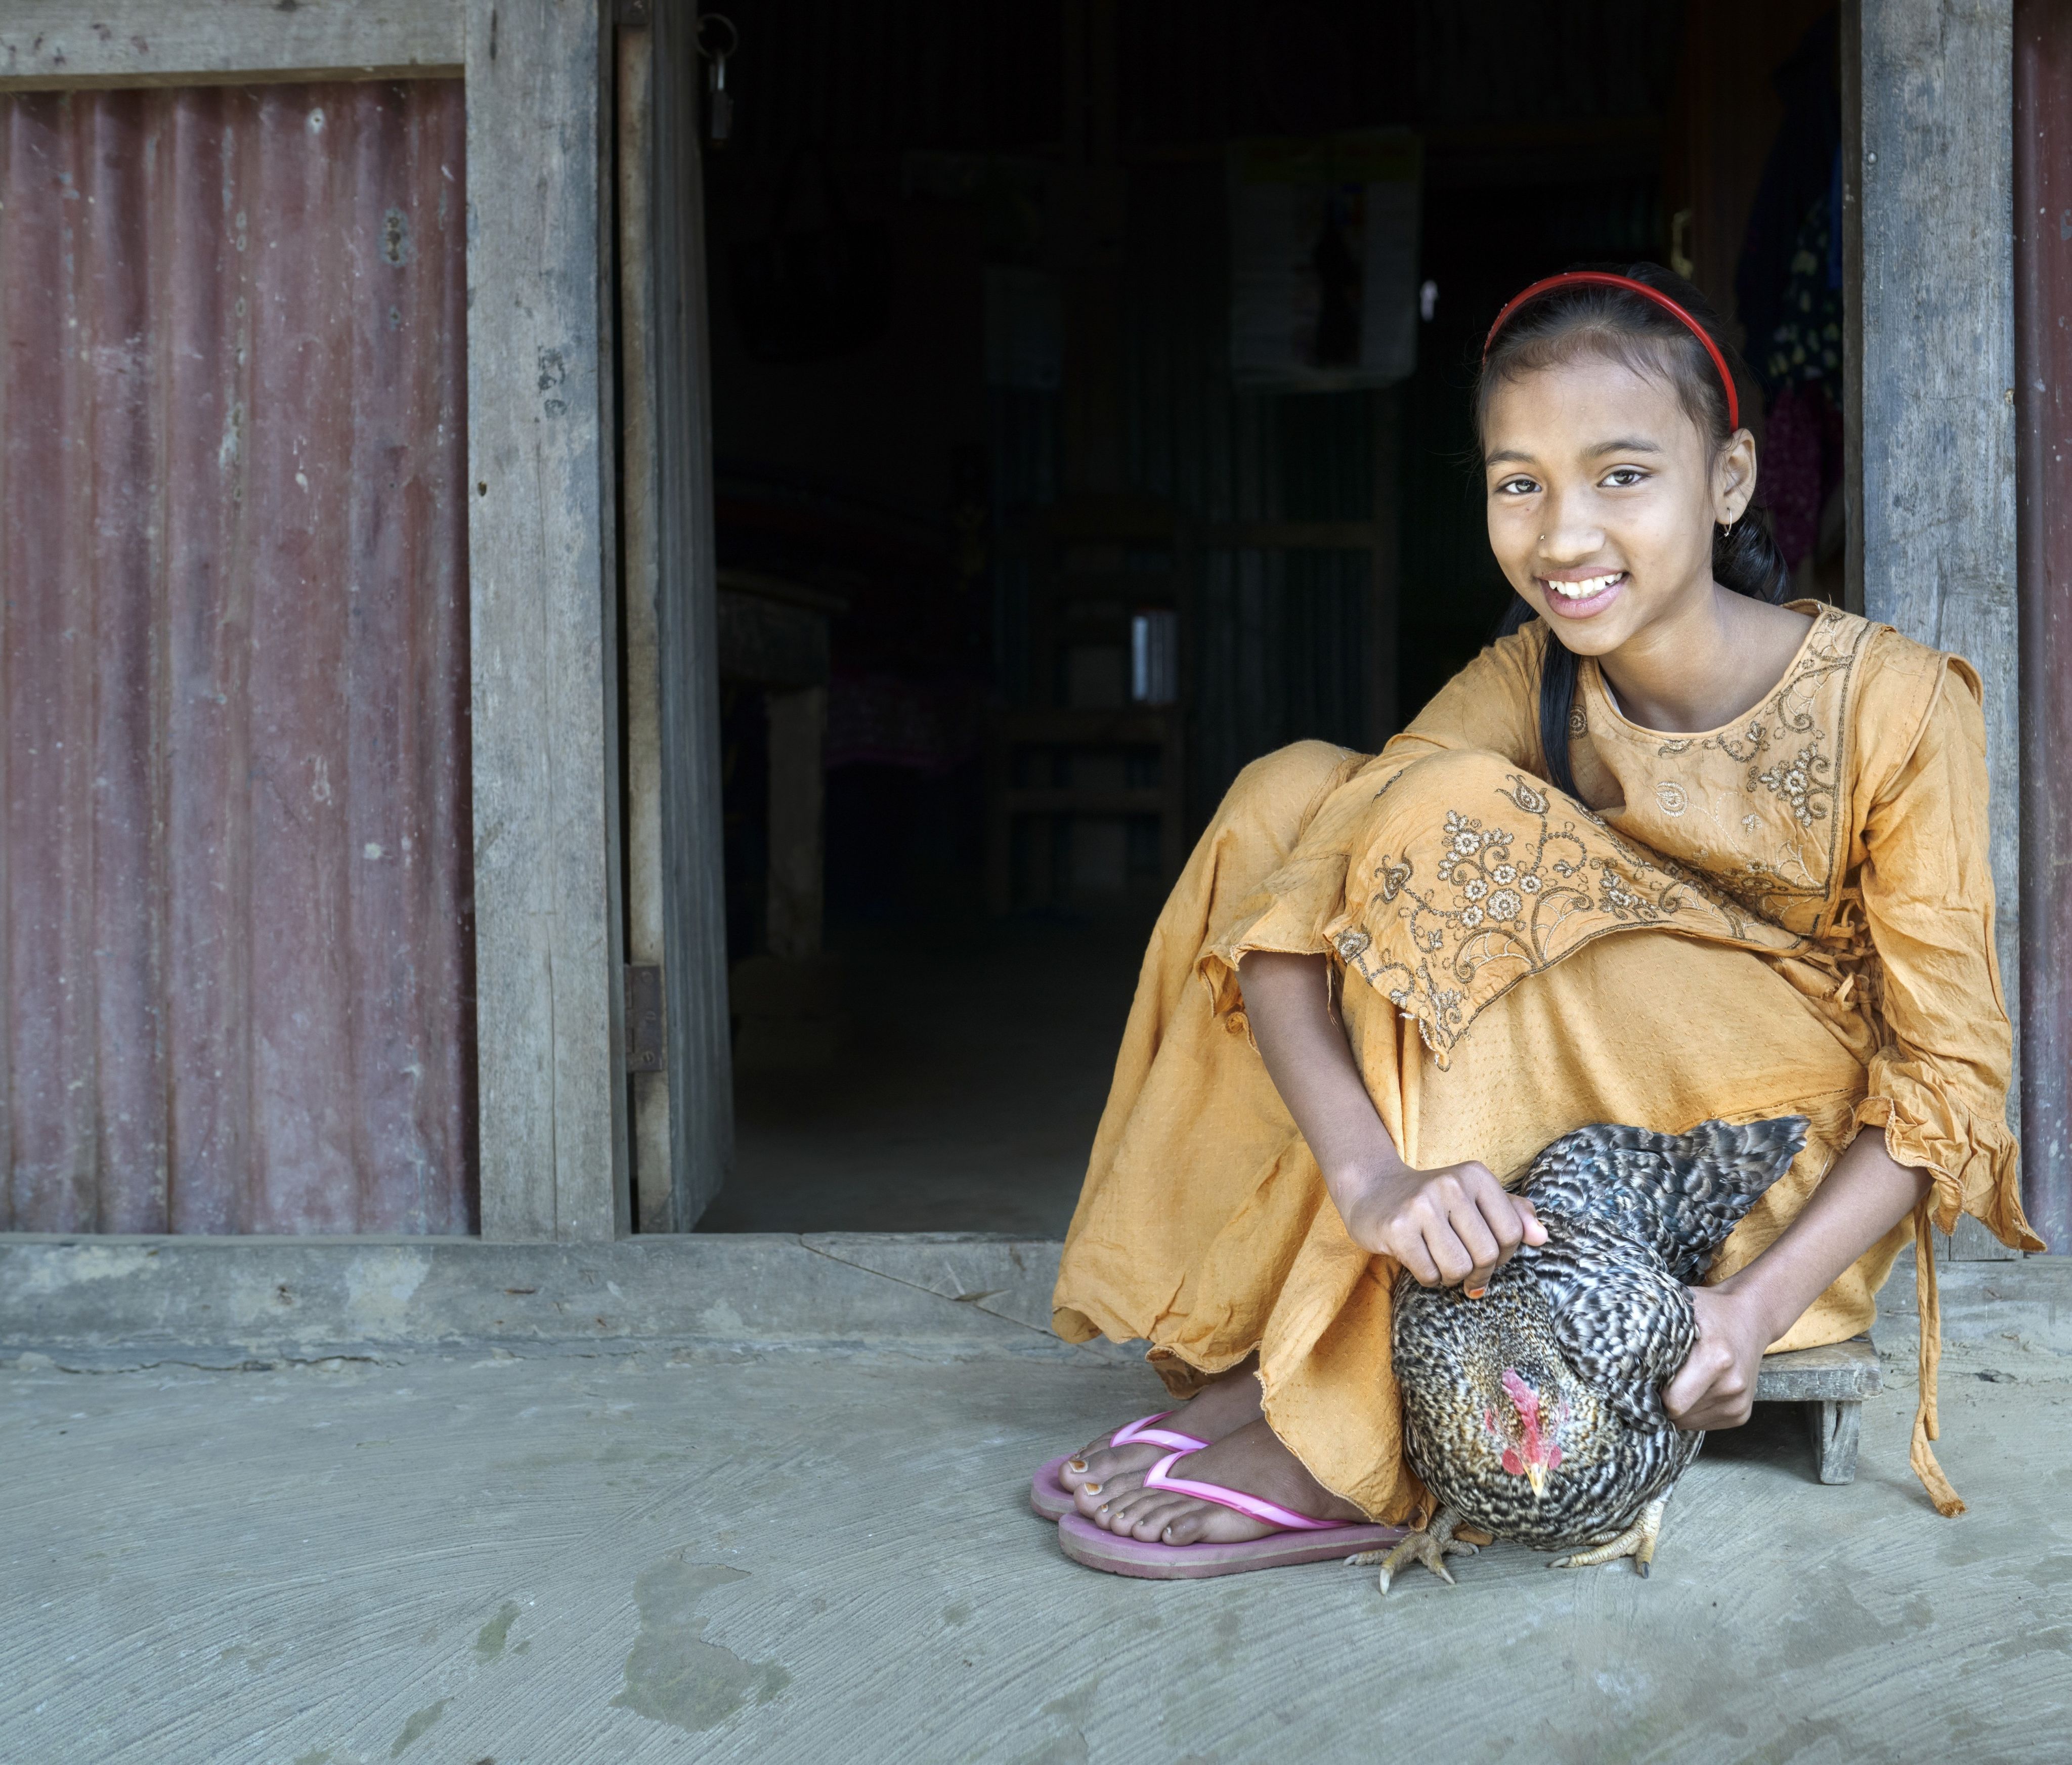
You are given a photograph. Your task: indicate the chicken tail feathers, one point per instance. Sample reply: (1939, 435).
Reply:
(1682, 1192)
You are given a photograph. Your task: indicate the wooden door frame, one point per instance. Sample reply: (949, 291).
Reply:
(682, 1111)
(1928, 179)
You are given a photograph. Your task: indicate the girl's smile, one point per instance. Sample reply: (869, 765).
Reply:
(1580, 594)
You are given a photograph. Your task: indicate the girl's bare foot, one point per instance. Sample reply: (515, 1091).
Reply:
(1251, 1459)
(1217, 1410)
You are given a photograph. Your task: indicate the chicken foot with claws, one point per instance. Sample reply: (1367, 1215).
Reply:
(1431, 1547)
(1636, 1541)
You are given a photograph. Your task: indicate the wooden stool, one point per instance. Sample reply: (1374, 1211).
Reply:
(1832, 1383)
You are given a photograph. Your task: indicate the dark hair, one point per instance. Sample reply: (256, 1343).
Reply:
(1590, 317)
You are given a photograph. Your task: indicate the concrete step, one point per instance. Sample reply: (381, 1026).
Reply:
(949, 1293)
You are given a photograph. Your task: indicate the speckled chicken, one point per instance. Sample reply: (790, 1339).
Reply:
(1534, 1413)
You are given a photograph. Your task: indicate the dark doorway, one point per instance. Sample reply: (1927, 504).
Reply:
(1063, 531)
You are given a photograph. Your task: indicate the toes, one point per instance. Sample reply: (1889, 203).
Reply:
(1160, 1522)
(1128, 1512)
(1101, 1464)
(1189, 1527)
(1092, 1494)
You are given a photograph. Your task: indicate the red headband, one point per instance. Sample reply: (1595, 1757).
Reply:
(1605, 278)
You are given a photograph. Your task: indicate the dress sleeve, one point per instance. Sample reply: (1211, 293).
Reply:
(1492, 705)
(1938, 1084)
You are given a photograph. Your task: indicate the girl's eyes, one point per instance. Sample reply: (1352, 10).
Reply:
(1619, 478)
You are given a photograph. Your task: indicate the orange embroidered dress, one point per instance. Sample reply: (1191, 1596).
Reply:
(1792, 915)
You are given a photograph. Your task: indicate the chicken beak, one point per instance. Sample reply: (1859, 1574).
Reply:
(1537, 1475)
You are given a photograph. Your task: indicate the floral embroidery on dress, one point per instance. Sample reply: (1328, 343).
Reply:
(1800, 784)
(1510, 894)
(1781, 856)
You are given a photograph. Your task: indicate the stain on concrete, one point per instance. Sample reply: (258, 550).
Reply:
(379, 1286)
(959, 1614)
(1068, 1747)
(322, 1756)
(489, 1639)
(720, 1320)
(416, 1725)
(672, 1674)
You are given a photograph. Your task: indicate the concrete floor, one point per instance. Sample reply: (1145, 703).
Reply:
(795, 1558)
(977, 1061)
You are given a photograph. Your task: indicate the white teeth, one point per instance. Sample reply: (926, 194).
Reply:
(1584, 589)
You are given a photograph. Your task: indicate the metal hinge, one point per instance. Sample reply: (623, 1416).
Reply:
(645, 1044)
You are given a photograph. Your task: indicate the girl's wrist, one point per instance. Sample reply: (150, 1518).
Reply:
(1350, 1180)
(1755, 1293)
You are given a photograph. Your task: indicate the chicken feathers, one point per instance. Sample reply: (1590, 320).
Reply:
(1535, 1413)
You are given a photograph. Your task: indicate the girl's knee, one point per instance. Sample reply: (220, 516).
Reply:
(1466, 773)
(1279, 789)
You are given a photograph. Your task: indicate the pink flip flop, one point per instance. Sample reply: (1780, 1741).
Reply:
(1300, 1540)
(1048, 1501)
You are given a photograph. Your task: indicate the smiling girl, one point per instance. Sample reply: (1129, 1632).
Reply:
(1671, 849)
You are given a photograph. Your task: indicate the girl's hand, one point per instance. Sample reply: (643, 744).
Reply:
(1454, 1226)
(1715, 1388)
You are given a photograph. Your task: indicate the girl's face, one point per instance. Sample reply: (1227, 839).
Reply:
(1603, 495)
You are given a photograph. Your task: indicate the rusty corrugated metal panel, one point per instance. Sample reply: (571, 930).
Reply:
(234, 955)
(2043, 466)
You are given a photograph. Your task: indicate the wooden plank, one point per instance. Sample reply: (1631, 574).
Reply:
(2043, 382)
(701, 1060)
(1971, 1242)
(639, 580)
(1852, 305)
(1842, 1371)
(548, 945)
(1934, 161)
(58, 43)
(1837, 1429)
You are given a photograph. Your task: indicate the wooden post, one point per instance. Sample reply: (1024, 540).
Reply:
(2043, 380)
(700, 1061)
(1933, 324)
(640, 581)
(541, 570)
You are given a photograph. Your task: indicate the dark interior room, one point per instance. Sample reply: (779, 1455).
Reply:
(1090, 392)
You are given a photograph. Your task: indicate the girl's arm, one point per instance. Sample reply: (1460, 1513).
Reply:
(1456, 1225)
(1866, 1193)
(1452, 1227)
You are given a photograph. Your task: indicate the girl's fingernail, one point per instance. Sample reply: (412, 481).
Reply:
(1475, 1293)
